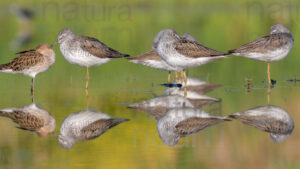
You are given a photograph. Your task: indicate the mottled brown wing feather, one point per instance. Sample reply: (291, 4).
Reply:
(97, 48)
(193, 125)
(202, 89)
(98, 127)
(157, 112)
(264, 44)
(263, 123)
(150, 55)
(25, 60)
(24, 120)
(25, 51)
(195, 50)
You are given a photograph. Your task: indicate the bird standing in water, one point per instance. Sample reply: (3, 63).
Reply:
(85, 51)
(270, 48)
(31, 62)
(183, 53)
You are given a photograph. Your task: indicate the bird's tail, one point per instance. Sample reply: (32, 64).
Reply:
(119, 55)
(230, 52)
(2, 67)
(226, 119)
(131, 58)
(234, 115)
(4, 114)
(117, 121)
(126, 55)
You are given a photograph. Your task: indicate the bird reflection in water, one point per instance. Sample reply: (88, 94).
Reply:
(85, 125)
(158, 106)
(31, 118)
(271, 119)
(179, 116)
(181, 122)
(174, 98)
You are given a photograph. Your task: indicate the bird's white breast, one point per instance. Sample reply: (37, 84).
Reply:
(270, 56)
(169, 54)
(75, 122)
(73, 53)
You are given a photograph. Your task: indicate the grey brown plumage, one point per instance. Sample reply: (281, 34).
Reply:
(31, 118)
(204, 88)
(25, 60)
(265, 44)
(155, 111)
(31, 62)
(97, 48)
(150, 55)
(271, 119)
(24, 120)
(195, 50)
(264, 123)
(195, 124)
(98, 127)
(181, 122)
(85, 125)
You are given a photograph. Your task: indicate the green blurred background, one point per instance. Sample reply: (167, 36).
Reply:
(130, 26)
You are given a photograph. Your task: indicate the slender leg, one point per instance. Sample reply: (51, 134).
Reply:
(169, 78)
(269, 83)
(269, 75)
(87, 98)
(87, 78)
(176, 77)
(87, 87)
(269, 95)
(185, 88)
(32, 90)
(181, 76)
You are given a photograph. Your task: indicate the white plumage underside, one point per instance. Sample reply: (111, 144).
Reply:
(160, 65)
(271, 112)
(164, 101)
(75, 55)
(76, 121)
(271, 56)
(190, 94)
(166, 124)
(31, 71)
(169, 54)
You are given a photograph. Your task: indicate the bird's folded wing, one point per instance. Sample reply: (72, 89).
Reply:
(264, 123)
(26, 121)
(98, 127)
(25, 60)
(25, 51)
(195, 50)
(195, 124)
(150, 55)
(97, 48)
(263, 44)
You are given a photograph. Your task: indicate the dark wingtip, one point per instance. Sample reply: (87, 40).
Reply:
(227, 119)
(120, 120)
(132, 107)
(126, 55)
(232, 116)
(230, 52)
(126, 120)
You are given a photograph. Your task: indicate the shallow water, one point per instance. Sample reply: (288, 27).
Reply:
(130, 28)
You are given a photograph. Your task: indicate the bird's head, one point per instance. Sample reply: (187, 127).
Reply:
(165, 35)
(188, 37)
(278, 28)
(45, 49)
(278, 138)
(65, 142)
(64, 35)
